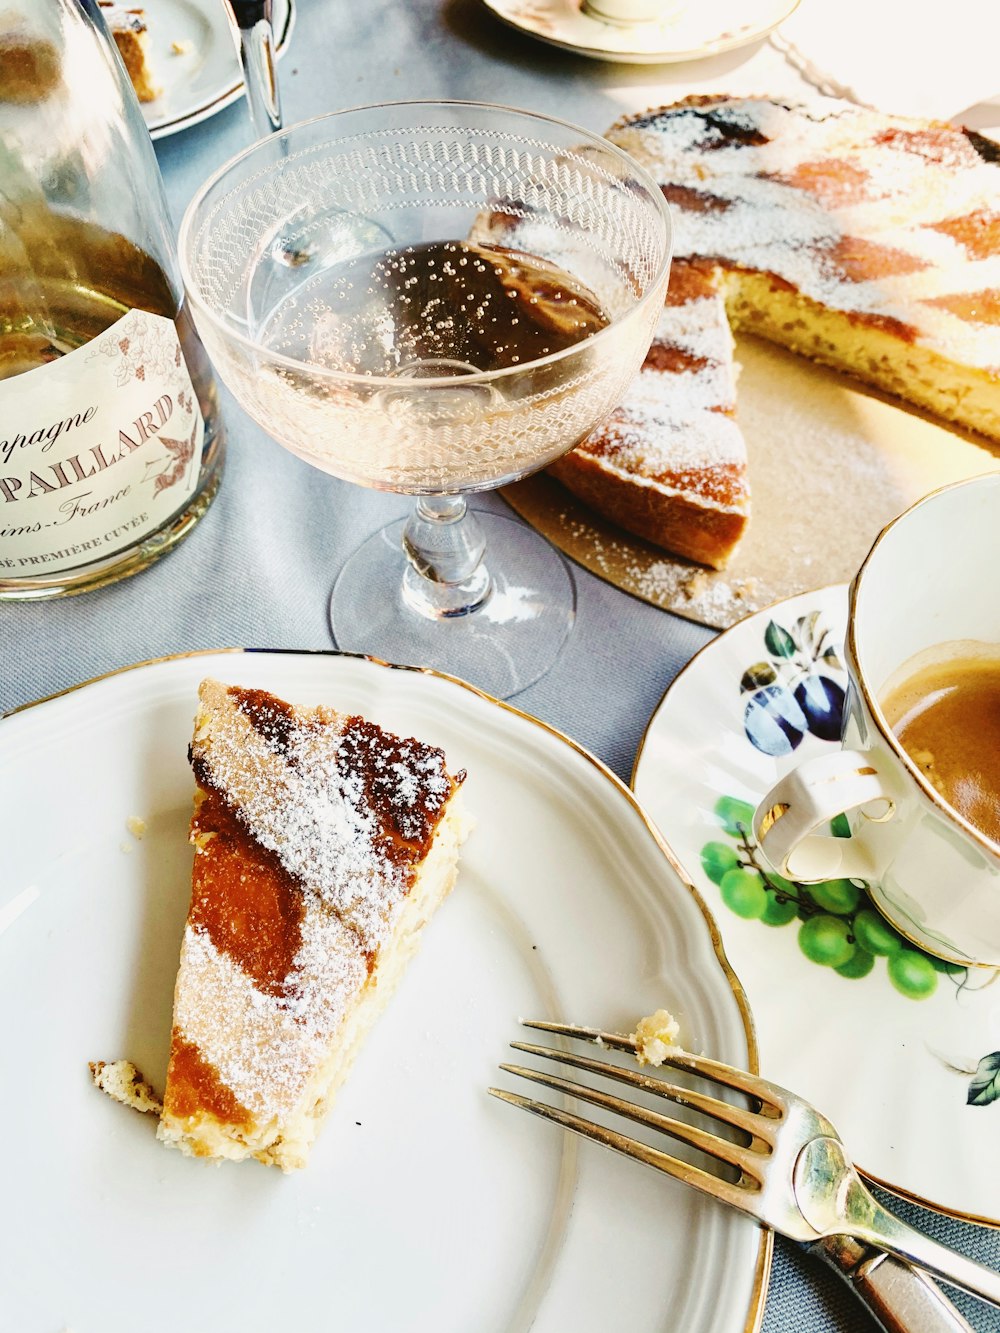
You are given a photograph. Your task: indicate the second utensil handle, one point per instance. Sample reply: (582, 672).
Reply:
(901, 1298)
(256, 51)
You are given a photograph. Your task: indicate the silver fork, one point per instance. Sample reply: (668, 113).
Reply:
(794, 1175)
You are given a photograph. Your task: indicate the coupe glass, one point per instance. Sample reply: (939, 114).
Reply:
(299, 257)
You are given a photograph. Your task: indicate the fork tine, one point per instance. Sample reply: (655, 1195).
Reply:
(747, 1121)
(613, 1039)
(735, 1195)
(721, 1149)
(768, 1094)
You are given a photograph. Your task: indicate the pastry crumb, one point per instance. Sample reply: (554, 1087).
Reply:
(655, 1037)
(184, 47)
(136, 826)
(696, 585)
(124, 1083)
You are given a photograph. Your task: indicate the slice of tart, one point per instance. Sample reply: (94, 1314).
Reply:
(131, 33)
(323, 844)
(670, 463)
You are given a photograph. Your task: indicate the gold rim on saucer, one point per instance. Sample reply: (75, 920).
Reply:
(686, 31)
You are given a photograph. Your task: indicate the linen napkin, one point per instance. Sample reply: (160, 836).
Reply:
(907, 57)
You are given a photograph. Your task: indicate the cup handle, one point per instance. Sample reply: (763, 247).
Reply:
(787, 820)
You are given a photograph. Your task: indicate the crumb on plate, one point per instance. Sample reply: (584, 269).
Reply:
(124, 1083)
(655, 1037)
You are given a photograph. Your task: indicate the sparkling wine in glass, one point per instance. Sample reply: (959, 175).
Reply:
(436, 299)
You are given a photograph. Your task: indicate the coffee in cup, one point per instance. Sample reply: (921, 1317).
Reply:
(944, 709)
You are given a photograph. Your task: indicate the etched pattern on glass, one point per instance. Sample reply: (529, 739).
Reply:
(321, 207)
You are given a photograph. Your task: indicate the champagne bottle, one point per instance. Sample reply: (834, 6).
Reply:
(110, 441)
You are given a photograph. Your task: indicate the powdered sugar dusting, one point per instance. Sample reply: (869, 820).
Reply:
(673, 429)
(265, 1046)
(796, 191)
(702, 457)
(700, 327)
(313, 816)
(332, 802)
(404, 777)
(688, 590)
(711, 599)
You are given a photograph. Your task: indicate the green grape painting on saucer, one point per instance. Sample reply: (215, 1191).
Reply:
(799, 689)
(838, 928)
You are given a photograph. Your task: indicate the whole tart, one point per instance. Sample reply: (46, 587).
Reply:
(323, 844)
(864, 241)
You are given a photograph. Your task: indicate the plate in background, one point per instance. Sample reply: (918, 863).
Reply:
(205, 75)
(899, 1051)
(688, 30)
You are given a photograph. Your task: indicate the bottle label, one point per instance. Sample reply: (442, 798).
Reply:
(98, 449)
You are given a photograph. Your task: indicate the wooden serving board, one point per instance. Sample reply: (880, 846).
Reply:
(830, 464)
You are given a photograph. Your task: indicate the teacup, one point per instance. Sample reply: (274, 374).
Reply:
(929, 581)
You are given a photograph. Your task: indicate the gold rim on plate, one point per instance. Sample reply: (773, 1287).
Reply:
(765, 1250)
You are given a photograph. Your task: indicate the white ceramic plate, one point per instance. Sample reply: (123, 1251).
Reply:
(206, 76)
(912, 1084)
(688, 30)
(427, 1205)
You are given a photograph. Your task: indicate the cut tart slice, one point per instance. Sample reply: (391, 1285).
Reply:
(131, 33)
(323, 844)
(670, 463)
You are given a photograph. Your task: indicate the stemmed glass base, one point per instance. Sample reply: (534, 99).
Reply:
(419, 592)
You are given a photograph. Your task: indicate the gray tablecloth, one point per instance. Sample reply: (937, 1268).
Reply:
(258, 569)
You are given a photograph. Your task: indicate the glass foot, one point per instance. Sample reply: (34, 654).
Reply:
(505, 644)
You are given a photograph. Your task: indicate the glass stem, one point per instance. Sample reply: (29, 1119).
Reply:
(444, 546)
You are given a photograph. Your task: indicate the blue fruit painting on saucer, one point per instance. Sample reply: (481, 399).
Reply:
(798, 688)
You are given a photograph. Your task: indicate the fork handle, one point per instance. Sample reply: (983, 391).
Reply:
(851, 1208)
(887, 1232)
(901, 1298)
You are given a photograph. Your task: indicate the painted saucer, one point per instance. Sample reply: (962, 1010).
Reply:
(685, 30)
(899, 1050)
